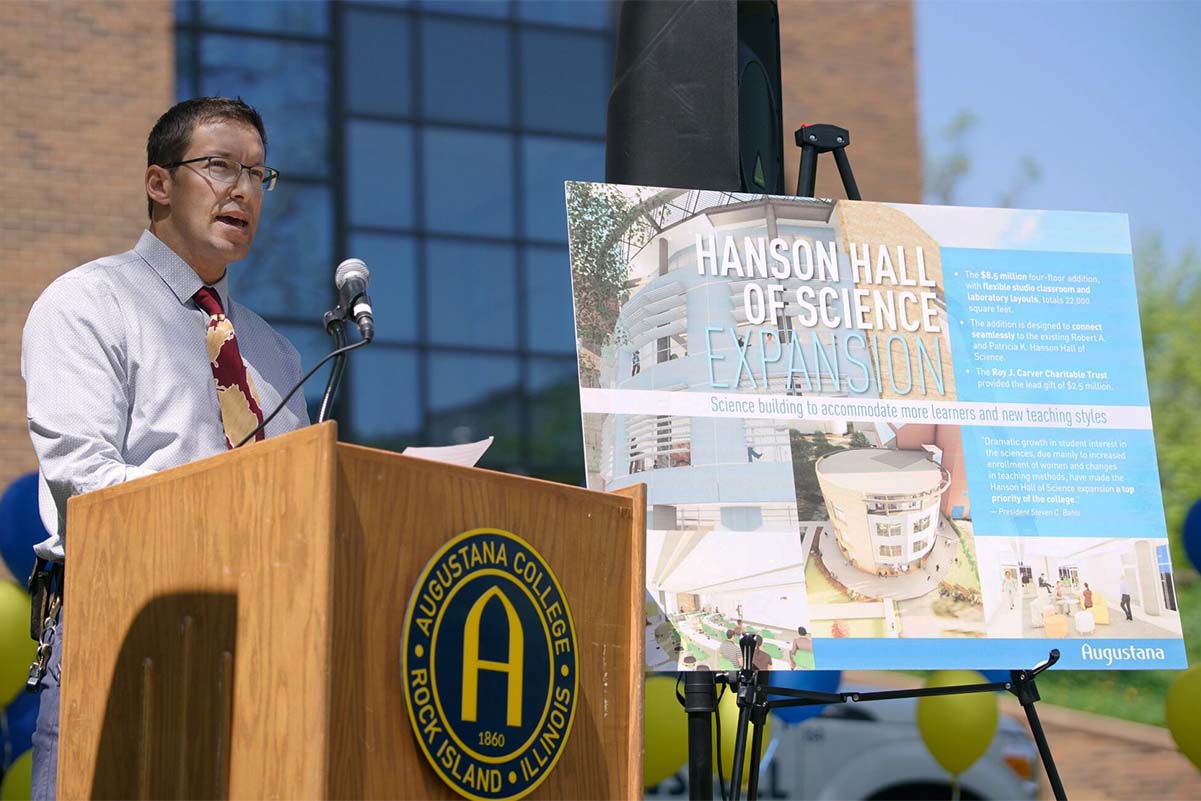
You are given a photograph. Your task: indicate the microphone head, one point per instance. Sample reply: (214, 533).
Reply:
(349, 269)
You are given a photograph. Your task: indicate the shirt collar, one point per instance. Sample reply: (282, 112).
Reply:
(176, 273)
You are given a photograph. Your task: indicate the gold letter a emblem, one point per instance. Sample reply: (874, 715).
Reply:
(472, 664)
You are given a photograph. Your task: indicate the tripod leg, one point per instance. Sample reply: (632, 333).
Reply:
(700, 702)
(807, 181)
(848, 178)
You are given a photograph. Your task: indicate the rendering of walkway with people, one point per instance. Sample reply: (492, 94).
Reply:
(700, 641)
(915, 583)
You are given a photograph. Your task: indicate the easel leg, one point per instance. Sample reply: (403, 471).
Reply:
(759, 721)
(744, 719)
(1044, 751)
(1027, 695)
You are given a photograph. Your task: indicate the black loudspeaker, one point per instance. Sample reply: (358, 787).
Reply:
(696, 96)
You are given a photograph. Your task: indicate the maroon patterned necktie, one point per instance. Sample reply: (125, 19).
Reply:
(236, 395)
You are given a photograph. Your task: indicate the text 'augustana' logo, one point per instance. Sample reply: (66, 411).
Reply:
(1109, 654)
(490, 666)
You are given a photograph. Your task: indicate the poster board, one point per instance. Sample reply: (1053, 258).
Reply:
(876, 435)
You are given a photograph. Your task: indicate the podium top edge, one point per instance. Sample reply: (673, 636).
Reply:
(623, 500)
(321, 437)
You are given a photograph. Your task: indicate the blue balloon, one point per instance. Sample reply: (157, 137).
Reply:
(1192, 534)
(20, 526)
(21, 717)
(821, 681)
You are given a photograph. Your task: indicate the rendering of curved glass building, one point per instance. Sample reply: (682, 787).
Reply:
(884, 505)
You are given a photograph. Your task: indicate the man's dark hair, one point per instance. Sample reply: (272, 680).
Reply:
(171, 135)
(801, 631)
(729, 634)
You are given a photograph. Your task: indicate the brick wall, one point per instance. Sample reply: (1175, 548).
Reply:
(852, 64)
(81, 84)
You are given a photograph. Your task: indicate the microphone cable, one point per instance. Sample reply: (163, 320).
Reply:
(301, 383)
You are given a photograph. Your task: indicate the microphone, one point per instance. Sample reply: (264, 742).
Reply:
(351, 278)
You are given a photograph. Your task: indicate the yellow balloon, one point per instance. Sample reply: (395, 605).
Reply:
(16, 648)
(18, 779)
(1182, 705)
(957, 729)
(727, 710)
(665, 730)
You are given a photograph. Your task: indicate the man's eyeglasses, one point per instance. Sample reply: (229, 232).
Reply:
(228, 171)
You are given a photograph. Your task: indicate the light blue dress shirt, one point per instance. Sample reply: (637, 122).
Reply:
(118, 379)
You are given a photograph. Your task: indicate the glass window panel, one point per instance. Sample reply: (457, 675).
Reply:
(379, 180)
(472, 294)
(465, 71)
(468, 182)
(393, 264)
(547, 163)
(183, 65)
(384, 388)
(376, 70)
(554, 398)
(183, 10)
(314, 345)
(288, 83)
(309, 17)
(597, 14)
(548, 305)
(565, 81)
(497, 9)
(473, 396)
(289, 272)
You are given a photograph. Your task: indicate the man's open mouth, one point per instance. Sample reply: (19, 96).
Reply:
(234, 221)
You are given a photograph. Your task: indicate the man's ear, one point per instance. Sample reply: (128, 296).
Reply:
(158, 184)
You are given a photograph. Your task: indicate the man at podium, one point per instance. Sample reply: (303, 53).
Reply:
(142, 361)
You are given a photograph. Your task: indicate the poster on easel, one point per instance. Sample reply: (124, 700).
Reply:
(874, 435)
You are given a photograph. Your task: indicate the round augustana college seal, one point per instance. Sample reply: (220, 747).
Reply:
(489, 665)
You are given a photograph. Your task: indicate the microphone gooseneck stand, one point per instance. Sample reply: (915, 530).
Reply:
(752, 692)
(335, 325)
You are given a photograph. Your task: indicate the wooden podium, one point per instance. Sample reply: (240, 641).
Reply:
(233, 626)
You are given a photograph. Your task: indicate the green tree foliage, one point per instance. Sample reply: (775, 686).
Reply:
(806, 450)
(1029, 172)
(945, 172)
(1170, 312)
(600, 219)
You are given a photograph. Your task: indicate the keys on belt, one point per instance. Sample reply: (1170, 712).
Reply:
(45, 590)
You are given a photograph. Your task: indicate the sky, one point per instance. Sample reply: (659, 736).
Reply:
(1105, 96)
